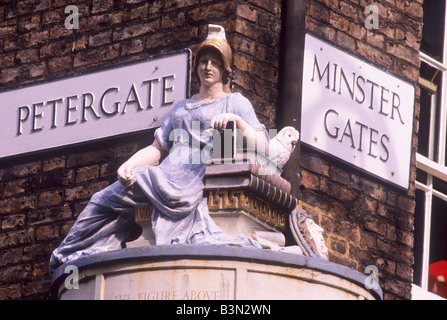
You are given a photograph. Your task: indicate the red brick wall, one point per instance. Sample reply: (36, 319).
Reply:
(366, 221)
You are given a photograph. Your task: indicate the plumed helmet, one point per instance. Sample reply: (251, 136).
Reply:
(216, 39)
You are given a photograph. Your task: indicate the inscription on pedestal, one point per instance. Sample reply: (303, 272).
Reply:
(195, 284)
(171, 295)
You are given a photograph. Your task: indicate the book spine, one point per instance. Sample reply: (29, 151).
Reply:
(273, 193)
(273, 178)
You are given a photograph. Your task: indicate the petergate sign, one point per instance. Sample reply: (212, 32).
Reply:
(357, 112)
(109, 102)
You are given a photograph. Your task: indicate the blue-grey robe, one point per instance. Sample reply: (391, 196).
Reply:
(174, 189)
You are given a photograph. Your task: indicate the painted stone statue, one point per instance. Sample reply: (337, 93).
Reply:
(168, 175)
(172, 187)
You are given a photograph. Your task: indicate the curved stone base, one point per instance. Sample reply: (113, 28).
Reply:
(207, 273)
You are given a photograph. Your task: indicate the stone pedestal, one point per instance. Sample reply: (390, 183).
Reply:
(190, 272)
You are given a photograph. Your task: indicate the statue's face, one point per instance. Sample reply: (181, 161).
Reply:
(210, 68)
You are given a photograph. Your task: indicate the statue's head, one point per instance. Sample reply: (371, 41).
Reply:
(216, 41)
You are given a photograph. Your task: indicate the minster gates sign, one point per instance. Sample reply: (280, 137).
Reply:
(357, 112)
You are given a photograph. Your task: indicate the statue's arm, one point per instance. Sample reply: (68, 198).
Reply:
(150, 155)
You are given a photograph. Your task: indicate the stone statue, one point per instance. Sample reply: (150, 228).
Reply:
(168, 174)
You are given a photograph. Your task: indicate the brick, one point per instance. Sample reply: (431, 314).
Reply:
(140, 12)
(178, 38)
(375, 225)
(173, 19)
(52, 180)
(101, 5)
(29, 23)
(53, 16)
(15, 187)
(16, 204)
(99, 39)
(386, 265)
(273, 7)
(309, 180)
(27, 6)
(10, 292)
(10, 256)
(50, 198)
(414, 9)
(124, 150)
(6, 60)
(66, 227)
(59, 30)
(36, 289)
(133, 46)
(337, 191)
(14, 273)
(375, 38)
(338, 245)
(396, 286)
(374, 55)
(44, 233)
(87, 158)
(314, 164)
(246, 12)
(101, 21)
(107, 170)
(84, 192)
(13, 221)
(15, 238)
(319, 12)
(49, 215)
(56, 48)
(59, 64)
(404, 271)
(406, 204)
(8, 31)
(368, 239)
(218, 11)
(54, 164)
(258, 34)
(103, 53)
(86, 174)
(370, 188)
(37, 70)
(357, 31)
(175, 5)
(136, 30)
(39, 251)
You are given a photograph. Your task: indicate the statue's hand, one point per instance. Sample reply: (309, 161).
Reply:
(220, 121)
(126, 175)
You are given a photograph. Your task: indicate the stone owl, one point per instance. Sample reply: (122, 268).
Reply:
(282, 145)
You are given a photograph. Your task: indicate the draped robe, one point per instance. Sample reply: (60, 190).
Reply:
(174, 189)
